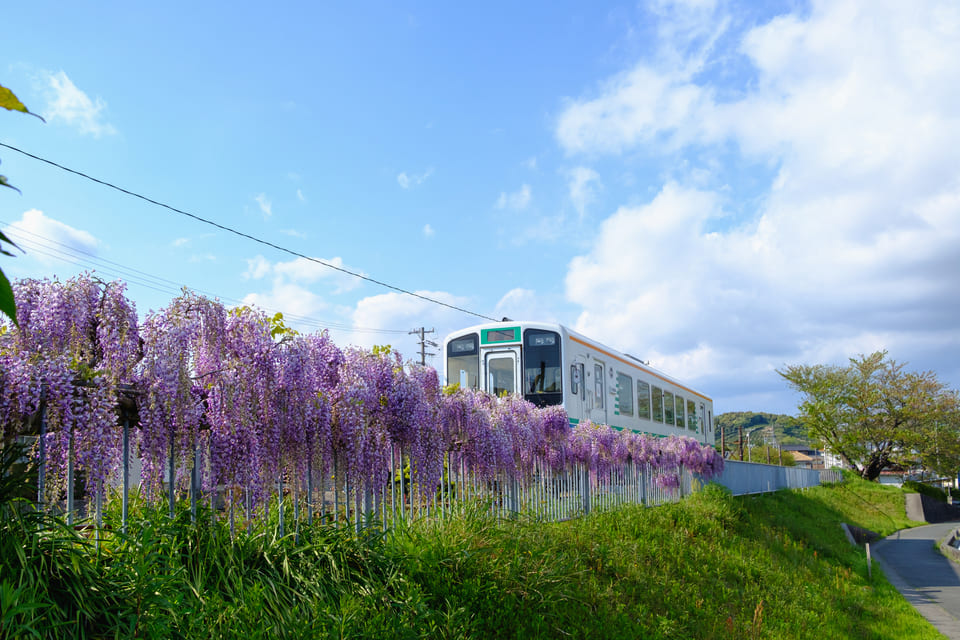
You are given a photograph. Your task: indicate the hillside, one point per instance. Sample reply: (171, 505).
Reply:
(786, 429)
(711, 566)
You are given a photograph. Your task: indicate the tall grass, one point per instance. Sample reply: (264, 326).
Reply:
(711, 566)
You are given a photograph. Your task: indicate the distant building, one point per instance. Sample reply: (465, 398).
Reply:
(833, 461)
(805, 456)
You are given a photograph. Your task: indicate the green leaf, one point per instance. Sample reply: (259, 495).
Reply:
(11, 102)
(4, 238)
(8, 305)
(4, 183)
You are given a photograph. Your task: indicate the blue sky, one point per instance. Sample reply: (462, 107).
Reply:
(721, 188)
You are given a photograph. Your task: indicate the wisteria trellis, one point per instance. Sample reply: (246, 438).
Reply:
(223, 401)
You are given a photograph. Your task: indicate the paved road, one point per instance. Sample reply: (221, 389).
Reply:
(925, 577)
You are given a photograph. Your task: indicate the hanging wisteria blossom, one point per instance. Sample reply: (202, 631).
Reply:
(76, 342)
(227, 396)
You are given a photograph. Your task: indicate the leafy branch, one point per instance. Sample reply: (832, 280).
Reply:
(10, 102)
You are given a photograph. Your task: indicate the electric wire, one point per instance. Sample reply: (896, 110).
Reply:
(242, 234)
(42, 245)
(173, 288)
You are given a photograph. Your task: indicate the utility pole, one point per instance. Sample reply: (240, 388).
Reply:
(422, 332)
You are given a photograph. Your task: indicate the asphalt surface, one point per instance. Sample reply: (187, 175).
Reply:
(927, 579)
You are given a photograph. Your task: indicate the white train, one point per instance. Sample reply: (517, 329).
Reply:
(550, 364)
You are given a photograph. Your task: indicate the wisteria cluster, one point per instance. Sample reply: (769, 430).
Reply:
(77, 341)
(227, 394)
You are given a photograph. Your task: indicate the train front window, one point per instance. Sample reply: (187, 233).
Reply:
(542, 370)
(463, 361)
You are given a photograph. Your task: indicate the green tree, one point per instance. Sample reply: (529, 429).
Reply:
(8, 307)
(876, 415)
(786, 429)
(763, 453)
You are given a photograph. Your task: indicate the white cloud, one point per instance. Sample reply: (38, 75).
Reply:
(35, 228)
(400, 313)
(517, 201)
(300, 196)
(636, 107)
(266, 207)
(71, 106)
(293, 233)
(582, 184)
(300, 289)
(290, 298)
(302, 271)
(525, 304)
(257, 268)
(413, 180)
(852, 246)
(428, 231)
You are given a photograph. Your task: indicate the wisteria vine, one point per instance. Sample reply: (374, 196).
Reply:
(222, 393)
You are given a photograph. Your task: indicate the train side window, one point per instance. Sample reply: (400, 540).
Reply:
(692, 415)
(598, 385)
(680, 422)
(668, 407)
(643, 400)
(658, 404)
(625, 394)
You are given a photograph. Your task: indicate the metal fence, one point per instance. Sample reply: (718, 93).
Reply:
(744, 478)
(543, 494)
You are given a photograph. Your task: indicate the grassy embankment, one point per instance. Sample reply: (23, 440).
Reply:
(712, 566)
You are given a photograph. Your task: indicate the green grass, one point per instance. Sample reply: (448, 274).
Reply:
(925, 489)
(712, 566)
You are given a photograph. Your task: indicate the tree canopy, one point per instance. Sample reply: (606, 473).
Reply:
(877, 415)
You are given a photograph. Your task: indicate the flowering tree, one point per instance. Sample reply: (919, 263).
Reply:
(230, 401)
(75, 343)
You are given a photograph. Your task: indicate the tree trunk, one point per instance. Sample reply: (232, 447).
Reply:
(875, 464)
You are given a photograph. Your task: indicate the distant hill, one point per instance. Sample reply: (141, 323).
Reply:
(786, 429)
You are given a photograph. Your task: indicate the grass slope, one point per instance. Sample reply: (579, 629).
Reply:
(712, 566)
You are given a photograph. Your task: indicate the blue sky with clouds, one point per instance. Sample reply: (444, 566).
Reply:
(721, 188)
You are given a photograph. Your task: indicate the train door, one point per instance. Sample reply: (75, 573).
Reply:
(598, 412)
(576, 400)
(502, 371)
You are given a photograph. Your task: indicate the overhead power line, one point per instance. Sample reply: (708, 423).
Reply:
(242, 234)
(43, 245)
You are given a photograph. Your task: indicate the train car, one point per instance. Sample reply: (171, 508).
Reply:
(550, 364)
